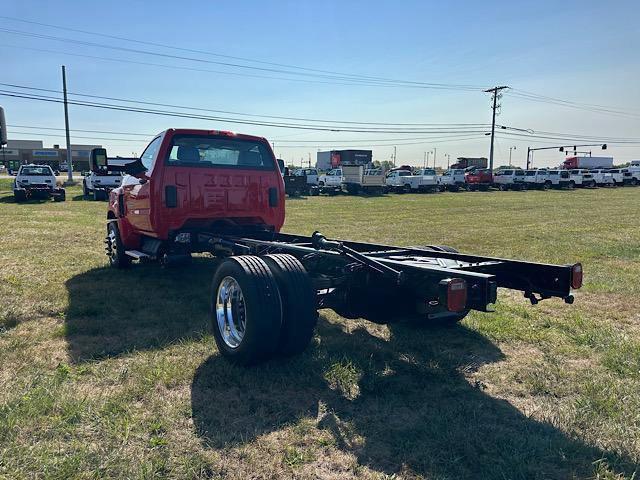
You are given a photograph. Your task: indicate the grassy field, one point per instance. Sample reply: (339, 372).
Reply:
(110, 374)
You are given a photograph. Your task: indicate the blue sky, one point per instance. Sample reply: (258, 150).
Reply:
(584, 51)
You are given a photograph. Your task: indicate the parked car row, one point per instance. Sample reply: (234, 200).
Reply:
(354, 179)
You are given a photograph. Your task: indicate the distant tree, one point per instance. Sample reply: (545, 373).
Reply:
(384, 165)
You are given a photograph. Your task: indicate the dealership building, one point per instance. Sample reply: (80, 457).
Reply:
(18, 152)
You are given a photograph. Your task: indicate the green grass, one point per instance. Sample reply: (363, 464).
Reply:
(108, 374)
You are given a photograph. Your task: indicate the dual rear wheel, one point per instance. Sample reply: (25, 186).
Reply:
(262, 307)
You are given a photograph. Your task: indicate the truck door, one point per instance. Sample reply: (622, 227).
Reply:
(137, 191)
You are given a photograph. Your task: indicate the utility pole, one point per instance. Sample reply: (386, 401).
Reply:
(448, 158)
(495, 106)
(66, 126)
(424, 165)
(434, 157)
(394, 155)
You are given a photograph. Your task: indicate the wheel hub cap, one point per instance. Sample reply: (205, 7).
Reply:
(231, 315)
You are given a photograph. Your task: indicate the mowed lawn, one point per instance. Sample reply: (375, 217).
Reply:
(114, 374)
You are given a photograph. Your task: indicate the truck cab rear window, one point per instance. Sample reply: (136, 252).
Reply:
(205, 151)
(36, 171)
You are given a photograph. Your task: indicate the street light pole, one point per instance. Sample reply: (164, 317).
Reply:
(510, 149)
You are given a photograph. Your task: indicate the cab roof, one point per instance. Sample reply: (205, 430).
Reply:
(222, 133)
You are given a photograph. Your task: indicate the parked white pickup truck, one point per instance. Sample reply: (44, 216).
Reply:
(400, 181)
(453, 180)
(330, 182)
(560, 178)
(510, 179)
(537, 179)
(603, 178)
(36, 181)
(310, 173)
(621, 176)
(404, 181)
(581, 178)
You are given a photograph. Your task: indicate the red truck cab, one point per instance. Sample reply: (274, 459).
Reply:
(197, 180)
(479, 179)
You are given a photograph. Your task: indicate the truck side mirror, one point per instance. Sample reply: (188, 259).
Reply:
(98, 159)
(3, 128)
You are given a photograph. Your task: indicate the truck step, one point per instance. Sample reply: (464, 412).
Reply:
(136, 254)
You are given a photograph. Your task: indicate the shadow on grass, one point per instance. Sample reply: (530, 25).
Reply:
(31, 201)
(112, 312)
(410, 410)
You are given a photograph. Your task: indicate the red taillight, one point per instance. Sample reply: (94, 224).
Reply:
(455, 294)
(576, 276)
(222, 132)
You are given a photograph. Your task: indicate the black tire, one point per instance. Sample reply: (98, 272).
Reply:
(299, 306)
(502, 187)
(314, 191)
(634, 181)
(406, 188)
(85, 191)
(60, 197)
(19, 196)
(571, 185)
(114, 247)
(261, 310)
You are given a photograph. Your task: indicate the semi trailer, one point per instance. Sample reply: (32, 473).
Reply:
(222, 193)
(571, 163)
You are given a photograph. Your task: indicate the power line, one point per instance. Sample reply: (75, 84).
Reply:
(354, 80)
(149, 111)
(571, 104)
(190, 50)
(39, 134)
(143, 102)
(189, 69)
(429, 141)
(83, 131)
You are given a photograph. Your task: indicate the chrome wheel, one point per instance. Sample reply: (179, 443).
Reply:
(231, 314)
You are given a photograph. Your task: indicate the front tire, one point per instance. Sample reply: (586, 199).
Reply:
(246, 310)
(115, 248)
(19, 196)
(298, 297)
(60, 197)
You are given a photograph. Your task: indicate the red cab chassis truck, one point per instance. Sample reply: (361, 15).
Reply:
(222, 193)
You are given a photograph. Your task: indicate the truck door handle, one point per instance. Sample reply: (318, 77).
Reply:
(273, 197)
(171, 196)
